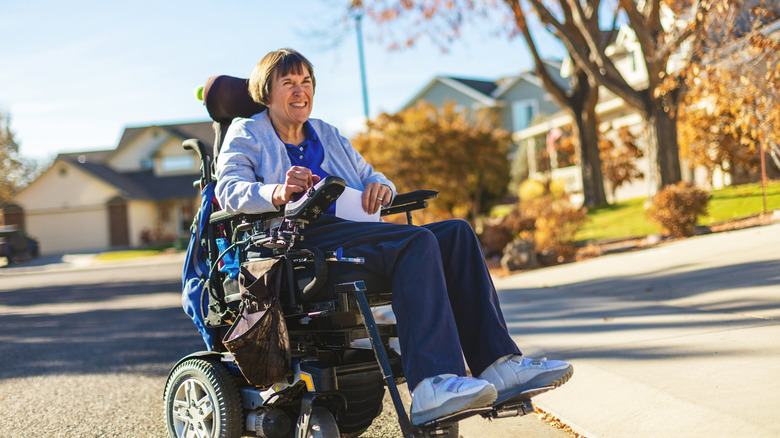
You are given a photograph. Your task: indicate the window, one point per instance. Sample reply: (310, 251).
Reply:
(523, 112)
(180, 162)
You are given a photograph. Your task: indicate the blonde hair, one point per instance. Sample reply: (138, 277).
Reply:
(280, 62)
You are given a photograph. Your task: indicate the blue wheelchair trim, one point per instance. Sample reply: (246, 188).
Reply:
(196, 270)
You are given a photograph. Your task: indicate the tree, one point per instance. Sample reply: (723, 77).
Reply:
(15, 171)
(441, 22)
(10, 163)
(580, 101)
(462, 155)
(732, 110)
(577, 24)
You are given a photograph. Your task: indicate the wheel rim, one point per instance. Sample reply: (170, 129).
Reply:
(193, 410)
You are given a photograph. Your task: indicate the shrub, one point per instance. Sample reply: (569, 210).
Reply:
(557, 221)
(677, 207)
(549, 221)
(530, 189)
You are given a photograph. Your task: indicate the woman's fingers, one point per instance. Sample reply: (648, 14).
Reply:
(375, 195)
(298, 179)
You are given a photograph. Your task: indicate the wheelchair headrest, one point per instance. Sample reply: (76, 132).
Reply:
(227, 97)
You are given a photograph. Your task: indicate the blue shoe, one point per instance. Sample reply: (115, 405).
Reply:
(447, 394)
(514, 375)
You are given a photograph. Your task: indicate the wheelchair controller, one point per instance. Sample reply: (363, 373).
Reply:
(313, 203)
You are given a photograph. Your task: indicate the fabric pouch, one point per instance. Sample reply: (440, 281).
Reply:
(258, 339)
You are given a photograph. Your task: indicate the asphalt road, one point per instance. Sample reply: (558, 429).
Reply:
(85, 353)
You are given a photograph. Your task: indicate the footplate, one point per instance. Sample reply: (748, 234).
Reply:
(457, 416)
(514, 407)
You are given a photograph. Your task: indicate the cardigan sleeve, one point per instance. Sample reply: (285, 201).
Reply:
(239, 189)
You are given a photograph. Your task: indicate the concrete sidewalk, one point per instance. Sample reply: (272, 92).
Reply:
(680, 340)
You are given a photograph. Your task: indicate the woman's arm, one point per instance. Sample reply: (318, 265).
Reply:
(239, 189)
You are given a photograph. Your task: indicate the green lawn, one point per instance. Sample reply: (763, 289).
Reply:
(627, 219)
(126, 254)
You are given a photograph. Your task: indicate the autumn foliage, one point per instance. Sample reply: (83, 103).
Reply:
(545, 217)
(461, 155)
(619, 159)
(677, 208)
(732, 108)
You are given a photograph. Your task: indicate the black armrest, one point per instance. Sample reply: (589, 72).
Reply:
(223, 216)
(409, 202)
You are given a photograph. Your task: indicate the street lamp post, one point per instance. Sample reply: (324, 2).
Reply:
(358, 28)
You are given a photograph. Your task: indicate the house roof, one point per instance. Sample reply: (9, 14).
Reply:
(483, 86)
(142, 185)
(477, 89)
(200, 130)
(484, 91)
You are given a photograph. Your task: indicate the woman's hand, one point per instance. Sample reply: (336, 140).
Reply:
(376, 195)
(297, 180)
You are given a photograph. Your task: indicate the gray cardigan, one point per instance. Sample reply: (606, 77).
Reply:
(253, 161)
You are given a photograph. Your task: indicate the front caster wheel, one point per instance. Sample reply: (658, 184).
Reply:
(201, 399)
(321, 425)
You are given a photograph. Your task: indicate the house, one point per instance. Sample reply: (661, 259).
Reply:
(139, 194)
(516, 100)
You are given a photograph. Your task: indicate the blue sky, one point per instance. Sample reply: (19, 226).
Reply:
(74, 74)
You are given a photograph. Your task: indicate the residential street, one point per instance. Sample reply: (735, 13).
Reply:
(677, 340)
(85, 351)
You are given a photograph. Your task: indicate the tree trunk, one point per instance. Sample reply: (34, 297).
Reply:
(662, 145)
(592, 177)
(583, 111)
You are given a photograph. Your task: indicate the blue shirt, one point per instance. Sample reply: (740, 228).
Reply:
(309, 154)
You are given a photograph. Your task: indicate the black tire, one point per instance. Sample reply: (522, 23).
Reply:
(321, 425)
(201, 394)
(364, 394)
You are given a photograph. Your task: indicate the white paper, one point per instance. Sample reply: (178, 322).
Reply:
(349, 206)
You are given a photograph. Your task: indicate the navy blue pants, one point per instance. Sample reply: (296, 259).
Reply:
(444, 301)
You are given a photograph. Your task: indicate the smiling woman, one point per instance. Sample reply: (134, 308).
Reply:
(284, 81)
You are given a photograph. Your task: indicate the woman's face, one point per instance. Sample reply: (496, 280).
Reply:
(291, 98)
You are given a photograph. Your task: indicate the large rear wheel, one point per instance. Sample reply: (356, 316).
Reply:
(201, 399)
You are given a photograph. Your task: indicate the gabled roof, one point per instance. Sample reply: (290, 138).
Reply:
(477, 89)
(483, 86)
(200, 130)
(143, 185)
(554, 66)
(487, 92)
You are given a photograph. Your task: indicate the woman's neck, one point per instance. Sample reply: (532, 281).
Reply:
(290, 134)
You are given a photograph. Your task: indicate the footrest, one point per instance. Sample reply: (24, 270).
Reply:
(514, 407)
(457, 416)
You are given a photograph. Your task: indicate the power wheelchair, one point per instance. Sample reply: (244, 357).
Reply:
(342, 359)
